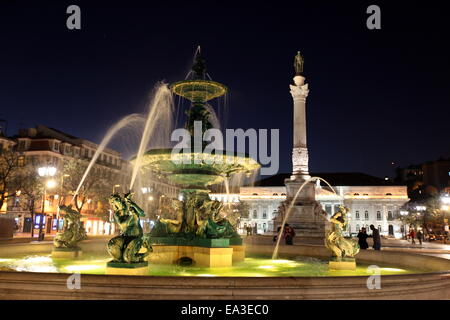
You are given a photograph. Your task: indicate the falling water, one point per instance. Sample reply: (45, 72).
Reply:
(160, 120)
(275, 251)
(126, 121)
(213, 119)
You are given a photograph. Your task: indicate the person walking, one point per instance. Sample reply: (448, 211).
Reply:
(362, 239)
(412, 235)
(376, 238)
(420, 236)
(289, 234)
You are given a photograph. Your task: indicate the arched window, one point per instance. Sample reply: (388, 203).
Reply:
(379, 228)
(390, 217)
(357, 217)
(378, 216)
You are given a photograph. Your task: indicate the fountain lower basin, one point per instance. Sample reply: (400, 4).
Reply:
(300, 273)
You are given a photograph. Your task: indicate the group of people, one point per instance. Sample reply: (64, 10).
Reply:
(362, 238)
(288, 234)
(413, 234)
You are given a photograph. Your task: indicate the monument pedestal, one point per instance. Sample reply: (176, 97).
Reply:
(66, 253)
(306, 216)
(127, 269)
(343, 264)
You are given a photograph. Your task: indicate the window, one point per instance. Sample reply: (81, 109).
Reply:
(378, 215)
(336, 208)
(255, 214)
(390, 217)
(379, 228)
(21, 145)
(357, 216)
(357, 227)
(264, 215)
(57, 146)
(389, 194)
(328, 209)
(366, 215)
(21, 161)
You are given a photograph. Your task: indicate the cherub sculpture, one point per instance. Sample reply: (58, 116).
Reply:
(72, 232)
(335, 240)
(127, 245)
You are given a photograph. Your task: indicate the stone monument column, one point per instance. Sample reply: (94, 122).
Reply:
(306, 216)
(299, 94)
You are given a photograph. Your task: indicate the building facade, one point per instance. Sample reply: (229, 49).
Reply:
(47, 147)
(378, 204)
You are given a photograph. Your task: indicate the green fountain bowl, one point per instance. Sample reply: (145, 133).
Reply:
(193, 170)
(198, 90)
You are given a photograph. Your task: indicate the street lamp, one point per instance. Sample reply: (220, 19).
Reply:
(59, 200)
(445, 200)
(114, 188)
(45, 172)
(404, 213)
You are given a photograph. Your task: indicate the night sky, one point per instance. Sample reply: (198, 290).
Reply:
(376, 96)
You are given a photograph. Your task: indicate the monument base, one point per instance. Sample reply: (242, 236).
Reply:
(66, 253)
(127, 269)
(344, 264)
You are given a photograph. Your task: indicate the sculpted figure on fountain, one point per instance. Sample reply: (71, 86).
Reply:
(127, 245)
(335, 240)
(72, 232)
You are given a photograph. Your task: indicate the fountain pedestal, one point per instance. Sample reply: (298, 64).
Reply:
(66, 253)
(208, 253)
(127, 269)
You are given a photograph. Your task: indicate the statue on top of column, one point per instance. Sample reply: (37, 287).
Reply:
(298, 64)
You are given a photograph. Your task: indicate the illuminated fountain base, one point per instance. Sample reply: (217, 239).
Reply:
(66, 253)
(209, 253)
(343, 264)
(127, 269)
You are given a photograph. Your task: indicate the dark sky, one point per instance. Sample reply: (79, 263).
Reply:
(376, 96)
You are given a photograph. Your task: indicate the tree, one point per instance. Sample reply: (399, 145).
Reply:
(8, 166)
(30, 188)
(423, 218)
(97, 186)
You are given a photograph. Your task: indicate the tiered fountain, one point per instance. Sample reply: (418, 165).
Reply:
(197, 233)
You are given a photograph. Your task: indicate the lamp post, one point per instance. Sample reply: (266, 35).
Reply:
(445, 200)
(114, 188)
(403, 214)
(59, 200)
(45, 172)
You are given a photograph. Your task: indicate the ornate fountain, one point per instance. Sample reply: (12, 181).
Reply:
(197, 232)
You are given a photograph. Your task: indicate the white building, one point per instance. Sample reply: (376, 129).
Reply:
(377, 203)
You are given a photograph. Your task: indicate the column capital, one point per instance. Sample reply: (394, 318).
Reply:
(299, 92)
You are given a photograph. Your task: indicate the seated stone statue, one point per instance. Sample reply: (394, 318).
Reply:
(335, 240)
(72, 231)
(127, 245)
(199, 217)
(164, 226)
